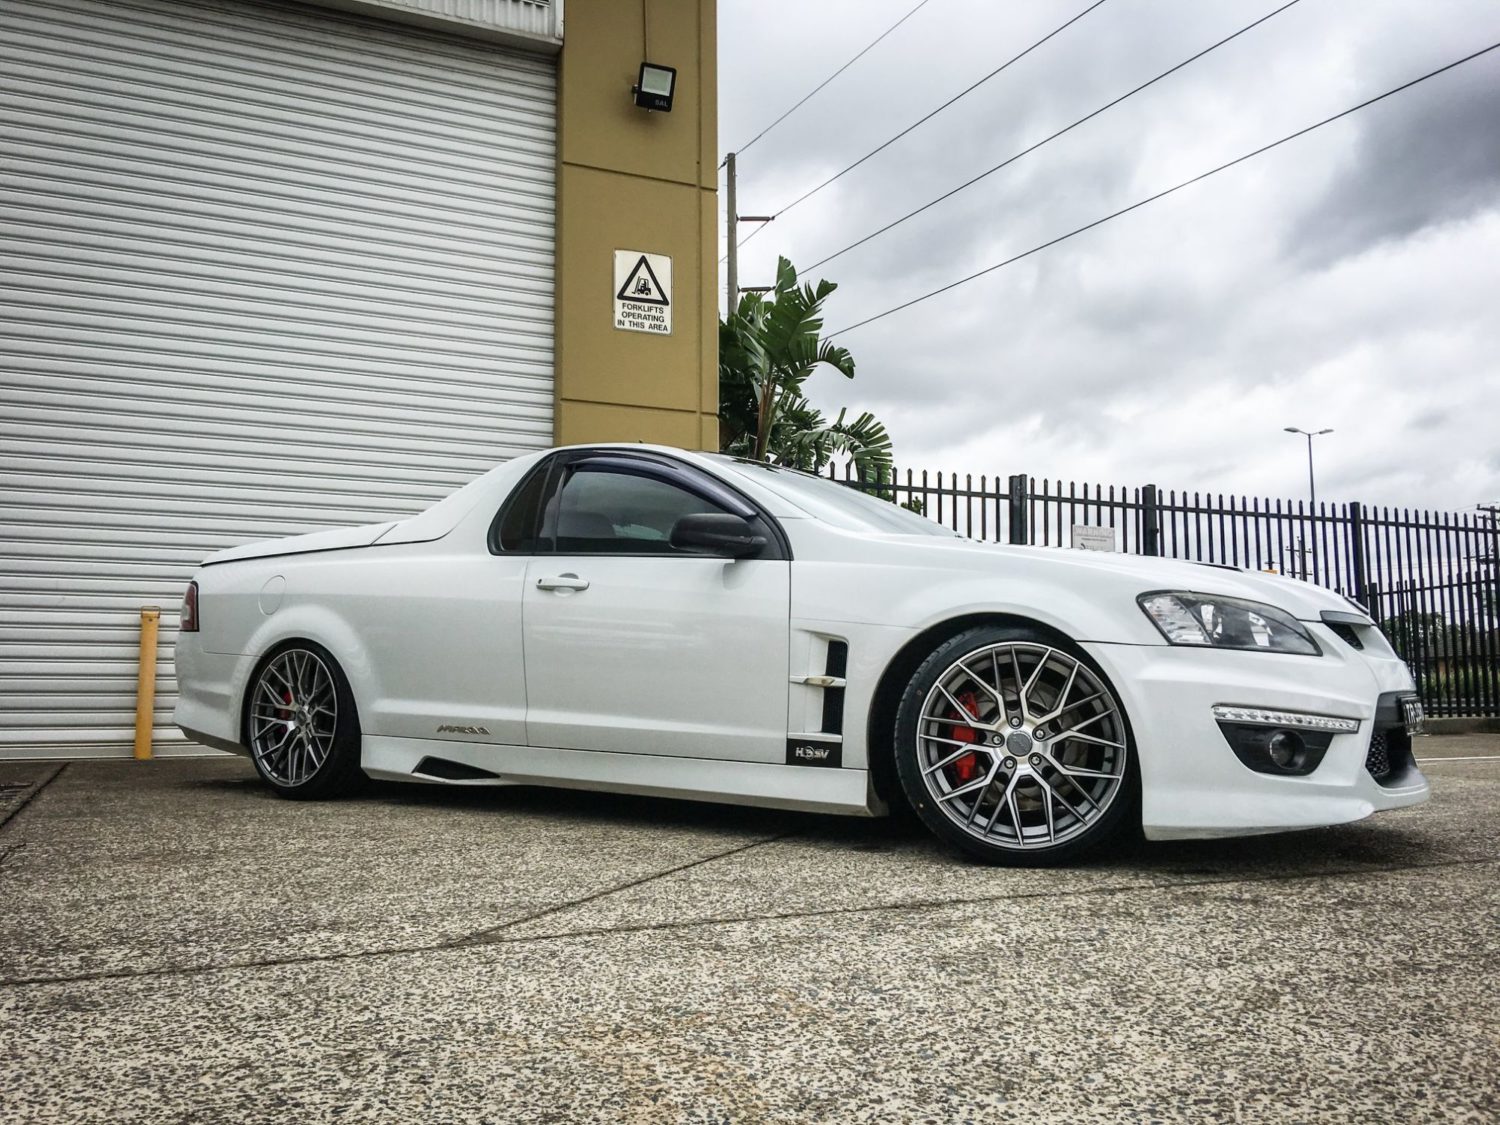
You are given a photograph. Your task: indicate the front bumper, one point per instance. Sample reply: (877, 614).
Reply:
(1192, 783)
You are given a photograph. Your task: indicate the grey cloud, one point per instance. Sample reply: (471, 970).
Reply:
(1433, 157)
(1172, 344)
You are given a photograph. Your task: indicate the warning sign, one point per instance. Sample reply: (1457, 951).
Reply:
(643, 292)
(1086, 538)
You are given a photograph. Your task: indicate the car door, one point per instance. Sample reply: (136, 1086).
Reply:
(634, 647)
(442, 624)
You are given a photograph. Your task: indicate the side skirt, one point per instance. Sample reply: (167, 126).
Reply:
(214, 742)
(843, 791)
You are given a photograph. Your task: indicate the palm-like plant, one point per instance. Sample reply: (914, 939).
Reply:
(768, 347)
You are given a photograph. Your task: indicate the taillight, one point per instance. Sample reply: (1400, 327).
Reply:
(190, 609)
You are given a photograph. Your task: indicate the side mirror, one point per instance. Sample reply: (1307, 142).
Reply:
(718, 533)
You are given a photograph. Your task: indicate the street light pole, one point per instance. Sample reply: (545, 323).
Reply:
(1312, 492)
(1312, 488)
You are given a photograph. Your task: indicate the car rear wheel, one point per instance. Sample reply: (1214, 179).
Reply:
(1012, 746)
(301, 725)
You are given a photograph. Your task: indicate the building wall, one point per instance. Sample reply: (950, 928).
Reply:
(265, 268)
(632, 180)
(339, 228)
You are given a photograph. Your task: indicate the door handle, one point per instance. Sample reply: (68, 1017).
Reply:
(562, 582)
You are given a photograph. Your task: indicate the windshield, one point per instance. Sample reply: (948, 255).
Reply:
(835, 503)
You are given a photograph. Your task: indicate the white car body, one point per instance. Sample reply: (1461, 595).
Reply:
(689, 676)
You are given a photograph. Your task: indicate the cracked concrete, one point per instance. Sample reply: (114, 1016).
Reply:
(177, 945)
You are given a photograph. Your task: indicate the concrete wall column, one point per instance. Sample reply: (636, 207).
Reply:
(632, 180)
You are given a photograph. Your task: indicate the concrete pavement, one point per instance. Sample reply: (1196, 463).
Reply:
(178, 945)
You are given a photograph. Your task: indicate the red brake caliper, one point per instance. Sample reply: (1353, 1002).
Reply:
(966, 767)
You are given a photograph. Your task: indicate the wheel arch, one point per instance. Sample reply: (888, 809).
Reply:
(269, 653)
(886, 699)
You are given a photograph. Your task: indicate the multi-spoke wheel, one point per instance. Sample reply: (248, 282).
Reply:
(1013, 747)
(300, 723)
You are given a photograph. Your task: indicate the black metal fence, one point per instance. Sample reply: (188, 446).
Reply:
(1432, 579)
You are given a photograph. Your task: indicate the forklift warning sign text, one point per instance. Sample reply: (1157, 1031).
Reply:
(643, 291)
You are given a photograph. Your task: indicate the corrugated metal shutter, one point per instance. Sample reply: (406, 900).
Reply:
(541, 18)
(264, 269)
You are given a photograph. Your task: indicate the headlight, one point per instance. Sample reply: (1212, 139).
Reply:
(1219, 622)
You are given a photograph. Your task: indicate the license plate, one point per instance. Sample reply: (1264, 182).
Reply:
(1411, 712)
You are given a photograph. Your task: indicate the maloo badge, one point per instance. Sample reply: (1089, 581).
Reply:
(448, 728)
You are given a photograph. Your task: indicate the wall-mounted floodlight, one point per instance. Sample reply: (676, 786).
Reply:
(654, 88)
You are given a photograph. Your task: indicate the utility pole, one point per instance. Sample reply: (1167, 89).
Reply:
(732, 221)
(1492, 513)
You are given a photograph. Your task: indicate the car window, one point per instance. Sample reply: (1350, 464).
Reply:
(836, 503)
(600, 511)
(518, 521)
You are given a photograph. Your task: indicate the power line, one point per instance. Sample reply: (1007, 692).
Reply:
(1047, 140)
(832, 76)
(919, 123)
(1167, 192)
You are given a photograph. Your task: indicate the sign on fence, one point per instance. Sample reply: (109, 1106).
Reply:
(1089, 538)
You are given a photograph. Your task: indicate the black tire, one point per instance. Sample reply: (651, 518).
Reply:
(285, 735)
(1038, 811)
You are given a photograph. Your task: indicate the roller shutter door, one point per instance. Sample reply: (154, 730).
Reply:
(264, 269)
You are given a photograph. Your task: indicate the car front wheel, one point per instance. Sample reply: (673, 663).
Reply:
(1011, 746)
(301, 725)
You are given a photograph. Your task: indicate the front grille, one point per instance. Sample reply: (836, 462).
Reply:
(1389, 759)
(1389, 756)
(1378, 760)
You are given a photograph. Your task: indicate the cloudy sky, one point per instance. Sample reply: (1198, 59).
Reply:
(1349, 279)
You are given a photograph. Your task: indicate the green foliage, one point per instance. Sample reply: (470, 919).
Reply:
(1466, 680)
(1412, 634)
(768, 347)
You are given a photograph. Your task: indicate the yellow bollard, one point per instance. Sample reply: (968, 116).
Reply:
(145, 687)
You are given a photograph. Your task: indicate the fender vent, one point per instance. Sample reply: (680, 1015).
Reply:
(833, 710)
(838, 659)
(833, 697)
(445, 770)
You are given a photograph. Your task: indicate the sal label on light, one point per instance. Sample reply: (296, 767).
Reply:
(643, 292)
(814, 752)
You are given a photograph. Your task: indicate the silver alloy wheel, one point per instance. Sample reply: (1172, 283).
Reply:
(1021, 745)
(294, 714)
